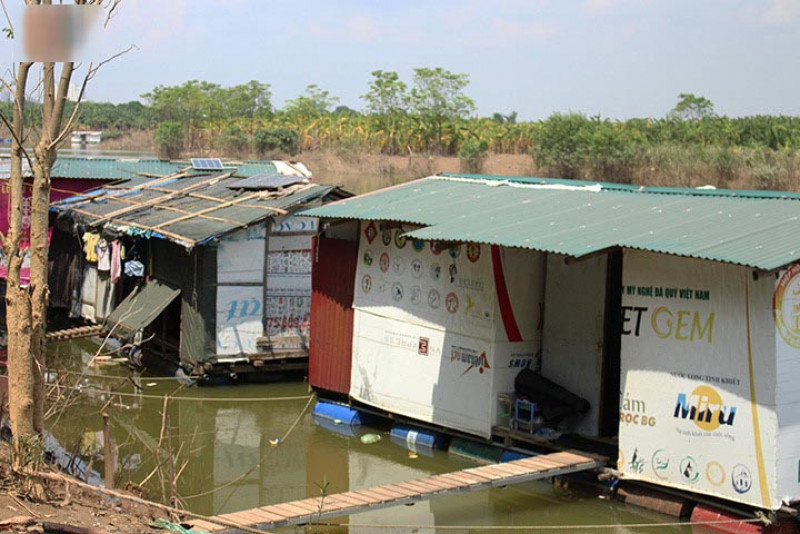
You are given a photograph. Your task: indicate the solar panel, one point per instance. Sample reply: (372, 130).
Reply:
(207, 164)
(259, 182)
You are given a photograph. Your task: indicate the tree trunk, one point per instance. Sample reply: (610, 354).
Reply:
(20, 367)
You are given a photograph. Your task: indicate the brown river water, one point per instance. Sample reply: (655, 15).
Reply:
(245, 446)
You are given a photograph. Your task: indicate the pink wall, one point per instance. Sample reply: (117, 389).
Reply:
(60, 189)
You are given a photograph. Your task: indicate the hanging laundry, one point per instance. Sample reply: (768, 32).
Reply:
(103, 256)
(90, 241)
(116, 261)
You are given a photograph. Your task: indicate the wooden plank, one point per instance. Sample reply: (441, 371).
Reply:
(426, 483)
(386, 494)
(413, 487)
(354, 499)
(275, 510)
(291, 508)
(512, 469)
(374, 498)
(271, 515)
(400, 490)
(310, 508)
(467, 480)
(444, 481)
(538, 463)
(205, 525)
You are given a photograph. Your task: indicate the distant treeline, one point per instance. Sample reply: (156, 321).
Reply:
(434, 116)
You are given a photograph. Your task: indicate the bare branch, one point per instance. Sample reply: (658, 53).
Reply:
(10, 24)
(89, 75)
(112, 11)
(16, 138)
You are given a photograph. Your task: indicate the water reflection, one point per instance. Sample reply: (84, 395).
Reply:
(225, 449)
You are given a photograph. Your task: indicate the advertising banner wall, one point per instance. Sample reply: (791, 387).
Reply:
(240, 293)
(440, 330)
(786, 305)
(698, 374)
(241, 307)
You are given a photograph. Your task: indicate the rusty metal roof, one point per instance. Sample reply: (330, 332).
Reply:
(759, 229)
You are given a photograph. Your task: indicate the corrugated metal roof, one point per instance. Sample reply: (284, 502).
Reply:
(109, 168)
(753, 228)
(189, 210)
(267, 181)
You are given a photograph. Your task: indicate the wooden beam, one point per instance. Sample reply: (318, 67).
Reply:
(220, 206)
(163, 198)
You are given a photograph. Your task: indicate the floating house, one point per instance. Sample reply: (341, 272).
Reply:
(86, 137)
(201, 268)
(71, 175)
(674, 312)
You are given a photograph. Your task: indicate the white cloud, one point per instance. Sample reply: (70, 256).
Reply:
(782, 12)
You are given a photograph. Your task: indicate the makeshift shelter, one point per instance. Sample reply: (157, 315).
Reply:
(69, 176)
(672, 311)
(221, 269)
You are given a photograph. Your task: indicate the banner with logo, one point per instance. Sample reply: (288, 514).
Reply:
(441, 329)
(698, 368)
(786, 304)
(242, 312)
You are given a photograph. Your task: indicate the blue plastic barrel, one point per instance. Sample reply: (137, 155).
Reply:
(416, 438)
(339, 414)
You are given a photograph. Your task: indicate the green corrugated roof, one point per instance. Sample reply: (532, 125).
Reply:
(111, 168)
(754, 228)
(188, 210)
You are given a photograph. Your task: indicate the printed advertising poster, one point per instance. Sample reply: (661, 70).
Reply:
(696, 400)
(239, 325)
(289, 287)
(786, 304)
(440, 330)
(448, 286)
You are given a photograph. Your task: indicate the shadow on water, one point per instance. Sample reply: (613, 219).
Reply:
(240, 447)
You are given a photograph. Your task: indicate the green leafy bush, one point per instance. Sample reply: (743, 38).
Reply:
(169, 139)
(276, 139)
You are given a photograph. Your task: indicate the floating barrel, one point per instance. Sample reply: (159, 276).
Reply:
(418, 439)
(339, 414)
(349, 431)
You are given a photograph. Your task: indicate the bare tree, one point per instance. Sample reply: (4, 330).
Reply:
(27, 305)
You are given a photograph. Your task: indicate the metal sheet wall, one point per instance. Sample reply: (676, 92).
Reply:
(333, 285)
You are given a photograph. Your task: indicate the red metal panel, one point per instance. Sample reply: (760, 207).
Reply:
(333, 285)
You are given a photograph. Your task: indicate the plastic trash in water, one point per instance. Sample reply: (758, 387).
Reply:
(370, 438)
(275, 442)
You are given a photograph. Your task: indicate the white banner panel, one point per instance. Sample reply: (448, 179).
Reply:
(240, 256)
(440, 331)
(239, 324)
(696, 406)
(786, 304)
(416, 281)
(422, 372)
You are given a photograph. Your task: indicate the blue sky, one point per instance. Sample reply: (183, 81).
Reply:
(616, 58)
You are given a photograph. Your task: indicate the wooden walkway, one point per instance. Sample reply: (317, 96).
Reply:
(75, 333)
(353, 502)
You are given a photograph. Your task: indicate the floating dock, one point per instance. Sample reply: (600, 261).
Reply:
(420, 489)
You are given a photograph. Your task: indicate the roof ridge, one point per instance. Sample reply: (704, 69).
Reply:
(630, 188)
